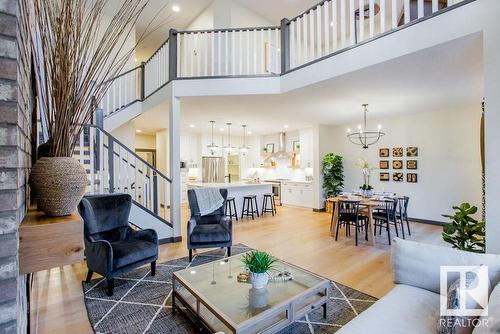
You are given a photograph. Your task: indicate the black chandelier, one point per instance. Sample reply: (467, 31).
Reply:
(363, 136)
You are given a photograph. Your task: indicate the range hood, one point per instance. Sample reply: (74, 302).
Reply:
(282, 153)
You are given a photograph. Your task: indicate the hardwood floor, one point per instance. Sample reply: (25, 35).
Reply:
(296, 235)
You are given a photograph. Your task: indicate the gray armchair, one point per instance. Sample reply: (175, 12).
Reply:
(210, 231)
(111, 246)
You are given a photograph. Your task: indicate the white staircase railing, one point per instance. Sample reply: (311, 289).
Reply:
(323, 30)
(113, 167)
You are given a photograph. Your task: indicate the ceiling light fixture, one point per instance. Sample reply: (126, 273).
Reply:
(285, 126)
(363, 136)
(191, 125)
(176, 8)
(228, 148)
(138, 130)
(244, 148)
(212, 147)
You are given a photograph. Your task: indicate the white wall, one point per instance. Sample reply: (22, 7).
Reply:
(449, 167)
(204, 21)
(145, 141)
(162, 160)
(125, 134)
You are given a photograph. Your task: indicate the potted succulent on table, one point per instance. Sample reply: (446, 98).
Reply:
(76, 53)
(258, 263)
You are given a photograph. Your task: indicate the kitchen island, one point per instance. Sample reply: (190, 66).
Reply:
(238, 190)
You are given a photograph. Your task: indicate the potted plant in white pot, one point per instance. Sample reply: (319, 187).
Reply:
(76, 54)
(258, 263)
(366, 169)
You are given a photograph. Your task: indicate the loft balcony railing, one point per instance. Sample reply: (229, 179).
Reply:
(326, 29)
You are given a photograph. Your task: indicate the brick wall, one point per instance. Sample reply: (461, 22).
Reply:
(15, 128)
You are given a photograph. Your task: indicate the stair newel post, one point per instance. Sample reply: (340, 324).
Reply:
(111, 165)
(285, 45)
(172, 55)
(142, 83)
(155, 193)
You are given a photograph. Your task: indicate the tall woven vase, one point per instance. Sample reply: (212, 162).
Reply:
(58, 185)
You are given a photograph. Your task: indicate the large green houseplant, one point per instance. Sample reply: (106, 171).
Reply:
(76, 53)
(464, 232)
(333, 175)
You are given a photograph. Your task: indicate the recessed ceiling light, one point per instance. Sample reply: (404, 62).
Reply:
(138, 130)
(249, 132)
(221, 129)
(135, 59)
(191, 125)
(176, 8)
(331, 23)
(285, 126)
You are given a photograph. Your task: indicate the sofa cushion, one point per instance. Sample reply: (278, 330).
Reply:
(405, 309)
(491, 323)
(128, 251)
(210, 233)
(418, 264)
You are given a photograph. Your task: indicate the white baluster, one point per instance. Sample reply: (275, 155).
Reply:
(206, 37)
(311, 35)
(407, 11)
(352, 22)
(335, 33)
(178, 56)
(382, 16)
(372, 17)
(306, 34)
(328, 27)
(219, 53)
(240, 52)
(299, 42)
(361, 20)
(81, 143)
(293, 47)
(136, 185)
(277, 37)
(102, 179)
(233, 53)
(450, 3)
(121, 183)
(343, 22)
(394, 14)
(191, 55)
(127, 174)
(198, 55)
(420, 8)
(91, 154)
(435, 6)
(226, 47)
(212, 50)
(185, 55)
(319, 37)
(262, 52)
(247, 33)
(268, 58)
(165, 197)
(254, 48)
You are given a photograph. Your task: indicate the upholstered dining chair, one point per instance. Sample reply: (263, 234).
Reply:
(112, 247)
(208, 231)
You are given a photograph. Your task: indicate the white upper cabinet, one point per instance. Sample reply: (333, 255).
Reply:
(306, 148)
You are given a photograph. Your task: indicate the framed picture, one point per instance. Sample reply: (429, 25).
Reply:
(411, 164)
(384, 177)
(383, 164)
(397, 152)
(296, 146)
(397, 164)
(411, 178)
(397, 177)
(383, 152)
(412, 151)
(270, 148)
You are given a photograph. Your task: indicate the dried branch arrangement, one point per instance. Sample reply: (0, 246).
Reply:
(76, 52)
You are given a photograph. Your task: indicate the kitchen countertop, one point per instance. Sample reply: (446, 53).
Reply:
(288, 181)
(238, 184)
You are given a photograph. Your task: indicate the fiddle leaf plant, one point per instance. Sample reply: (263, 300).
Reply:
(464, 232)
(333, 175)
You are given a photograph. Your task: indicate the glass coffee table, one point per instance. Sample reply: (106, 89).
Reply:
(219, 303)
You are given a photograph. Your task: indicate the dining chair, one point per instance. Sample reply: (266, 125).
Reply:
(402, 213)
(385, 216)
(349, 215)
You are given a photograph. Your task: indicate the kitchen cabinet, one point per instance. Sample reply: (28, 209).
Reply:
(306, 148)
(184, 187)
(297, 194)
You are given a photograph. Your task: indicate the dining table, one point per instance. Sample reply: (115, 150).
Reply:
(367, 203)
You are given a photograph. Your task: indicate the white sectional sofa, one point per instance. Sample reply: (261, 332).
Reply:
(413, 305)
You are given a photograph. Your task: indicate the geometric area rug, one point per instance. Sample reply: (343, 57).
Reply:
(142, 303)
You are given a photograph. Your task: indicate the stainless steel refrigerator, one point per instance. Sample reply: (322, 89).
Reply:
(213, 169)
